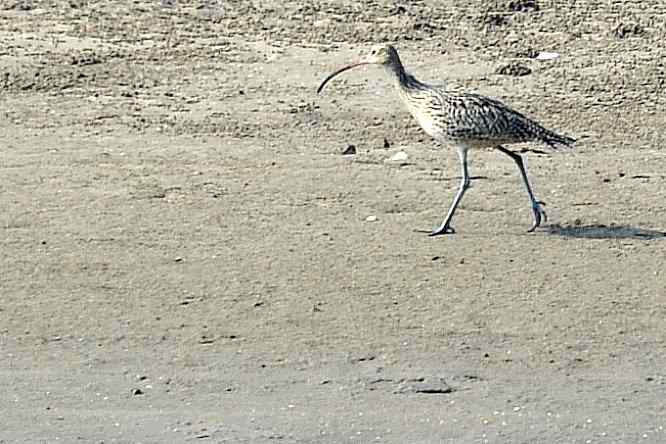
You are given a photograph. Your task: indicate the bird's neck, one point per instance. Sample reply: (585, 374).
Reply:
(404, 80)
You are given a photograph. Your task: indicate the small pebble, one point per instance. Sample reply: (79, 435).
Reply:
(371, 219)
(433, 385)
(545, 55)
(400, 156)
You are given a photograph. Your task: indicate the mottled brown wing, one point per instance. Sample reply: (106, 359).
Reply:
(475, 117)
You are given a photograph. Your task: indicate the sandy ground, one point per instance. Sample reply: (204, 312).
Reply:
(187, 255)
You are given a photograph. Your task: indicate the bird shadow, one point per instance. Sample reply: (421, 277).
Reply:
(601, 231)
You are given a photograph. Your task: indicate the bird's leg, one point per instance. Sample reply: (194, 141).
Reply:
(537, 207)
(445, 227)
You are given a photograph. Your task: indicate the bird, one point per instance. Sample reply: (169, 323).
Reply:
(464, 120)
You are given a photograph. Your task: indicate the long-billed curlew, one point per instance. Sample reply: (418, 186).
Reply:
(464, 120)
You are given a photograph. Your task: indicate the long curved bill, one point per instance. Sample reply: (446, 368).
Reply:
(343, 69)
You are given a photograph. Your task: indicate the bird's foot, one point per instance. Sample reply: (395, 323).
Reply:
(539, 215)
(444, 229)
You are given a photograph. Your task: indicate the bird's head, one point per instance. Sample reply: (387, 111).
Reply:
(380, 55)
(384, 55)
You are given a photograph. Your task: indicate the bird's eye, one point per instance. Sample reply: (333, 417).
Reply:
(373, 52)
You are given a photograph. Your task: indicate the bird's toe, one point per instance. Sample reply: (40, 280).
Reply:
(539, 215)
(442, 230)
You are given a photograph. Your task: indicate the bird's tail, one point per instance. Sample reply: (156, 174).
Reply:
(555, 140)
